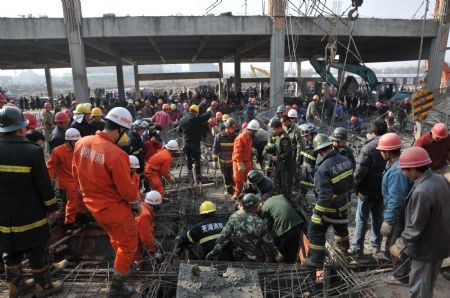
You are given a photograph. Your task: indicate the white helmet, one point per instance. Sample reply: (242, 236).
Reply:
(292, 113)
(153, 198)
(253, 125)
(120, 116)
(130, 101)
(172, 145)
(134, 162)
(72, 134)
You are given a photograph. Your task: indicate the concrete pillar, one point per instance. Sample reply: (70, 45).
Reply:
(437, 54)
(137, 90)
(277, 52)
(48, 81)
(72, 20)
(260, 89)
(221, 93)
(237, 72)
(299, 84)
(120, 84)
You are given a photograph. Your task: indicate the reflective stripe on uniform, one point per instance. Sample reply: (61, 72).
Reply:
(50, 202)
(226, 144)
(339, 238)
(316, 219)
(316, 247)
(307, 183)
(208, 238)
(331, 210)
(342, 176)
(24, 228)
(189, 237)
(15, 169)
(307, 155)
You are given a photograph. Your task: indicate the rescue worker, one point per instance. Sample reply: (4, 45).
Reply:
(222, 152)
(148, 111)
(292, 130)
(206, 232)
(333, 180)
(152, 146)
(190, 129)
(250, 109)
(174, 113)
(136, 145)
(259, 143)
(308, 162)
(257, 183)
(242, 156)
(134, 167)
(159, 165)
(97, 122)
(250, 238)
(60, 163)
(437, 144)
(27, 198)
(279, 113)
(339, 138)
(47, 120)
(281, 151)
(394, 188)
(312, 112)
(57, 137)
(355, 124)
(426, 237)
(287, 225)
(81, 118)
(162, 118)
(103, 174)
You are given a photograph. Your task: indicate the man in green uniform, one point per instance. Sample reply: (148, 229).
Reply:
(250, 238)
(292, 130)
(309, 156)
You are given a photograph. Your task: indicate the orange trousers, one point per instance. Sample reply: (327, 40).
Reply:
(240, 177)
(155, 182)
(119, 223)
(74, 205)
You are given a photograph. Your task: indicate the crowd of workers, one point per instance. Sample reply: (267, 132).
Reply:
(104, 162)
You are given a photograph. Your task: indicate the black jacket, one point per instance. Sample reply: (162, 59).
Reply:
(57, 137)
(190, 127)
(26, 194)
(98, 125)
(84, 128)
(136, 148)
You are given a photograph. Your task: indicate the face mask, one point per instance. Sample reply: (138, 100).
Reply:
(123, 141)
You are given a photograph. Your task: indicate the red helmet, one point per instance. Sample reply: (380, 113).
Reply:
(147, 102)
(440, 130)
(378, 105)
(68, 112)
(61, 117)
(214, 104)
(32, 121)
(253, 100)
(219, 115)
(288, 107)
(47, 105)
(414, 157)
(3, 98)
(389, 142)
(212, 121)
(407, 100)
(166, 107)
(244, 125)
(295, 107)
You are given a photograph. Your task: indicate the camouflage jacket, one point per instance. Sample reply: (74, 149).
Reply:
(249, 236)
(294, 134)
(282, 148)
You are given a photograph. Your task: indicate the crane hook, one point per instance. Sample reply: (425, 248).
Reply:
(353, 14)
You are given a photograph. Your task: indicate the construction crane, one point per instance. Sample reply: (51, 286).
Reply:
(261, 70)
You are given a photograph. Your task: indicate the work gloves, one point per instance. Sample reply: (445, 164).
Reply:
(396, 252)
(279, 258)
(241, 167)
(386, 229)
(136, 208)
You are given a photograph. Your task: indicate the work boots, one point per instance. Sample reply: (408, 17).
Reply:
(45, 287)
(118, 289)
(16, 283)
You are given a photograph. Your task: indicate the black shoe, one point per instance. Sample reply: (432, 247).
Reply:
(309, 263)
(118, 289)
(355, 252)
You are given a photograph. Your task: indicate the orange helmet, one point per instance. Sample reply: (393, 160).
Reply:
(165, 107)
(440, 130)
(389, 142)
(253, 100)
(32, 121)
(414, 157)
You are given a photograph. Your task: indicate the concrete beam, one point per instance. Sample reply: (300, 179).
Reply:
(177, 76)
(200, 48)
(247, 47)
(106, 49)
(156, 48)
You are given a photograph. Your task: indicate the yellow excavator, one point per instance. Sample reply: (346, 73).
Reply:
(261, 70)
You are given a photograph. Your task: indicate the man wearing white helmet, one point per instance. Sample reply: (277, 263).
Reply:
(242, 155)
(103, 173)
(60, 163)
(134, 166)
(158, 166)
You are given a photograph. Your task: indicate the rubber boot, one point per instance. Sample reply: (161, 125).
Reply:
(308, 262)
(16, 283)
(45, 287)
(118, 289)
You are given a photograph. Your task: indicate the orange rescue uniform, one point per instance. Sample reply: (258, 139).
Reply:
(60, 162)
(102, 170)
(158, 165)
(146, 232)
(242, 153)
(137, 181)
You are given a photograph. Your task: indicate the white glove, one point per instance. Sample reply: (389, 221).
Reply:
(241, 167)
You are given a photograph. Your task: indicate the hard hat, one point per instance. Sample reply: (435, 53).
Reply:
(316, 97)
(207, 207)
(414, 157)
(146, 102)
(165, 107)
(250, 201)
(295, 107)
(11, 119)
(407, 100)
(253, 125)
(47, 105)
(378, 104)
(195, 108)
(292, 113)
(61, 117)
(172, 145)
(186, 105)
(339, 134)
(230, 122)
(68, 112)
(96, 112)
(353, 119)
(173, 106)
(130, 101)
(440, 130)
(219, 115)
(153, 198)
(83, 108)
(134, 162)
(3, 98)
(288, 108)
(212, 121)
(72, 134)
(120, 116)
(244, 125)
(160, 101)
(254, 176)
(74, 102)
(321, 141)
(140, 124)
(225, 117)
(32, 121)
(281, 109)
(214, 104)
(253, 100)
(389, 142)
(307, 128)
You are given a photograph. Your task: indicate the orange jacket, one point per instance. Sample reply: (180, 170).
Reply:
(145, 228)
(160, 162)
(137, 181)
(242, 150)
(60, 162)
(102, 170)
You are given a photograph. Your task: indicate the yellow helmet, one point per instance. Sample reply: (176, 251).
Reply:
(173, 106)
(83, 108)
(207, 207)
(195, 108)
(96, 112)
(225, 117)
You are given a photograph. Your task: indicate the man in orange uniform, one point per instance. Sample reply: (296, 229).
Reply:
(135, 165)
(60, 162)
(242, 156)
(102, 170)
(158, 165)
